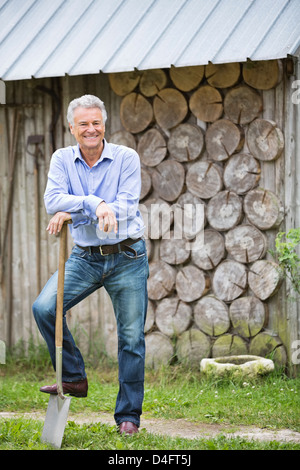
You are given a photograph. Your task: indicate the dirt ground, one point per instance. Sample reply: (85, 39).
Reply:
(181, 427)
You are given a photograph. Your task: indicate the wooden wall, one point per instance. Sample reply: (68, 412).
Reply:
(41, 104)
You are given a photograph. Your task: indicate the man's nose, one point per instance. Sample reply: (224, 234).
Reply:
(91, 127)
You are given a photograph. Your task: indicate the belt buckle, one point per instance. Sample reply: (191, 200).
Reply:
(101, 252)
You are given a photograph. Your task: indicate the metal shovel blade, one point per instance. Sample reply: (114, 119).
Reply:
(56, 419)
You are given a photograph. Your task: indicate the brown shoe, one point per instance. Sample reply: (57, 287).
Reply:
(75, 389)
(128, 428)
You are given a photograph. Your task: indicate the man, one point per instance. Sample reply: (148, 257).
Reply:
(97, 186)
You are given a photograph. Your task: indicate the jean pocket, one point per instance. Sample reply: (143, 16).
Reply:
(79, 252)
(139, 248)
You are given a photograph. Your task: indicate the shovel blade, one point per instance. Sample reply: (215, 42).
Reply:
(56, 420)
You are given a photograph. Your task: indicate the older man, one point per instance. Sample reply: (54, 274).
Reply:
(97, 185)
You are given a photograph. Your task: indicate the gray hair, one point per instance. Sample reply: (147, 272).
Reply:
(85, 101)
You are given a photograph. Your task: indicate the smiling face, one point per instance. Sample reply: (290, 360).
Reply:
(88, 129)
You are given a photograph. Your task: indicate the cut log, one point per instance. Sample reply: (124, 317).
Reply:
(136, 113)
(266, 344)
(229, 345)
(191, 283)
(123, 138)
(265, 140)
(241, 173)
(152, 81)
(161, 280)
(170, 108)
(222, 139)
(158, 216)
(248, 316)
(204, 179)
(224, 211)
(152, 147)
(187, 78)
(263, 209)
(229, 280)
(168, 180)
(186, 142)
(242, 104)
(123, 83)
(192, 346)
(146, 183)
(223, 75)
(192, 217)
(173, 316)
(174, 251)
(159, 350)
(246, 243)
(211, 316)
(263, 74)
(206, 104)
(264, 278)
(211, 253)
(150, 318)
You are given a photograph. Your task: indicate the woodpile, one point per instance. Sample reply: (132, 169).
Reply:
(203, 142)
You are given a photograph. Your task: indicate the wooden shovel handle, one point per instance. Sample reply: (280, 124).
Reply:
(60, 286)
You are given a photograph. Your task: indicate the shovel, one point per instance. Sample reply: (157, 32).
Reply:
(58, 406)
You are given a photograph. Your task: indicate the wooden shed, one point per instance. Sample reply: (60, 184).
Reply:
(209, 99)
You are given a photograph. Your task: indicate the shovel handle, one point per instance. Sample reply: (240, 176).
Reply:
(59, 307)
(60, 287)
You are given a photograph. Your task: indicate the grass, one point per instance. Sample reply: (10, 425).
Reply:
(21, 434)
(170, 393)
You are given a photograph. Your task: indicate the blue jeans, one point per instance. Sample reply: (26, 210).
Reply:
(124, 276)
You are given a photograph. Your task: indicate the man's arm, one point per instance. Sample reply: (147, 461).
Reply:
(107, 218)
(81, 209)
(57, 221)
(57, 197)
(125, 205)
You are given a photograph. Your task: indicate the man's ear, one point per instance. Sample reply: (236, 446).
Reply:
(71, 128)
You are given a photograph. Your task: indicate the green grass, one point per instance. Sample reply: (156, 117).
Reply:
(170, 393)
(21, 434)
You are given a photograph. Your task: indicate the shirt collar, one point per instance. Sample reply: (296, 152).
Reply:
(106, 152)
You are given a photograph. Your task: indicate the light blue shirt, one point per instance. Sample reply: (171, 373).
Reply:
(76, 188)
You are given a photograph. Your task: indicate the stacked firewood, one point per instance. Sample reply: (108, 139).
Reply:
(201, 139)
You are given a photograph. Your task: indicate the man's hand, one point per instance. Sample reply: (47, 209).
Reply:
(57, 221)
(106, 217)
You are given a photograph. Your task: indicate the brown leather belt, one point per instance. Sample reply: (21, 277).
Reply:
(105, 250)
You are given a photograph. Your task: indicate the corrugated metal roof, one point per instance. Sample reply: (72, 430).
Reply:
(42, 38)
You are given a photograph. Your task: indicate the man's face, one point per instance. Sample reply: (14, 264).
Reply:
(88, 128)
